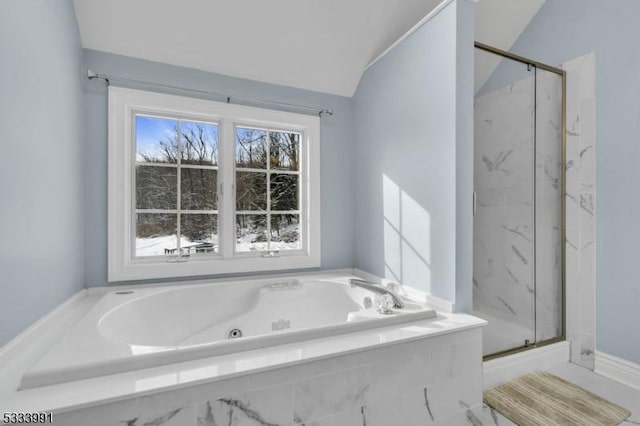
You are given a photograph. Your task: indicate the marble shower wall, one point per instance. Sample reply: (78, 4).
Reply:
(433, 381)
(509, 269)
(580, 208)
(503, 221)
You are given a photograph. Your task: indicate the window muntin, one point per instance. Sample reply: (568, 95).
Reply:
(159, 214)
(268, 190)
(176, 174)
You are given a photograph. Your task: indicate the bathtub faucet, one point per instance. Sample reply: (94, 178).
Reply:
(367, 285)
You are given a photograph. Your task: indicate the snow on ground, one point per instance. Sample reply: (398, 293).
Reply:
(247, 242)
(155, 246)
(243, 245)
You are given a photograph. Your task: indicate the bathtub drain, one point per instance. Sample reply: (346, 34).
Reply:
(234, 333)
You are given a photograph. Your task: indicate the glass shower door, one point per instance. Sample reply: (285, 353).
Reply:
(504, 206)
(549, 190)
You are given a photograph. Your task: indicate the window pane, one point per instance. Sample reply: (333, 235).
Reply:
(284, 192)
(199, 143)
(284, 150)
(251, 191)
(251, 148)
(251, 232)
(156, 234)
(198, 189)
(285, 232)
(156, 188)
(199, 233)
(156, 140)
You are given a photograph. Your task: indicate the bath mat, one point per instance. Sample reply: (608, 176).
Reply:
(542, 399)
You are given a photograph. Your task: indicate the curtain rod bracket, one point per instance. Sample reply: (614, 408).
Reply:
(92, 75)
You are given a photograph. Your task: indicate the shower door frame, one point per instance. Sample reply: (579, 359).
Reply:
(563, 195)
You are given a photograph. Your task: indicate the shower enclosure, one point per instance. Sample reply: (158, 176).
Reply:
(518, 266)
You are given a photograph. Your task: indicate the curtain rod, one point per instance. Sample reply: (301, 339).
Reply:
(91, 75)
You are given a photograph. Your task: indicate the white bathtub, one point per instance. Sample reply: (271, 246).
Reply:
(149, 326)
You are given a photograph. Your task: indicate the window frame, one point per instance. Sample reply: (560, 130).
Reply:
(124, 104)
(268, 171)
(179, 211)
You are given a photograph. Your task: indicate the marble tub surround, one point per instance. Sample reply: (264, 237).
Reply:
(435, 380)
(580, 208)
(518, 220)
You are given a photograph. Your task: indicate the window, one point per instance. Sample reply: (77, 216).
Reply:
(199, 187)
(176, 190)
(267, 190)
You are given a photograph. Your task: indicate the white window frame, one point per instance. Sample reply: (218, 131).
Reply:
(123, 265)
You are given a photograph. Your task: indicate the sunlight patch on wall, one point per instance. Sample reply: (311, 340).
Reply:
(407, 238)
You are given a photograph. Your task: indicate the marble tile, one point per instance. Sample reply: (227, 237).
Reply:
(184, 416)
(587, 350)
(399, 386)
(269, 406)
(293, 373)
(407, 374)
(586, 298)
(430, 405)
(503, 263)
(111, 415)
(363, 388)
(351, 417)
(450, 397)
(485, 416)
(412, 409)
(480, 415)
(330, 394)
(580, 269)
(489, 417)
(505, 154)
(587, 77)
(587, 145)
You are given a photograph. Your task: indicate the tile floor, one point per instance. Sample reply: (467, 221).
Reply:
(615, 392)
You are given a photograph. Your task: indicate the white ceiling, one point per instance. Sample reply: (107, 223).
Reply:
(321, 45)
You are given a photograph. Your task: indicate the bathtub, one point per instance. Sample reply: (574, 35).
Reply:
(137, 327)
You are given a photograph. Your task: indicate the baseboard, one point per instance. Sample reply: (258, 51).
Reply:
(618, 369)
(23, 339)
(509, 367)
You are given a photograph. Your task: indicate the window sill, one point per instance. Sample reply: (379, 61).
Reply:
(136, 270)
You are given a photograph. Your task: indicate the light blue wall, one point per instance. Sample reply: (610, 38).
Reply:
(407, 108)
(563, 30)
(41, 218)
(53, 186)
(337, 151)
(465, 55)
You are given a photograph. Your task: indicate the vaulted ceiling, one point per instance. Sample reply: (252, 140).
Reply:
(499, 23)
(321, 45)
